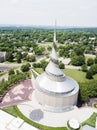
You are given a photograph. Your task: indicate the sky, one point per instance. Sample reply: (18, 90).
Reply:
(44, 12)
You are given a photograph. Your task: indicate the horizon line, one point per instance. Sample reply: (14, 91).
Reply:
(52, 26)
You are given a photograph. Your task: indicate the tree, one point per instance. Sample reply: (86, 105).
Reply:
(19, 57)
(39, 50)
(25, 68)
(31, 58)
(90, 61)
(93, 69)
(24, 55)
(89, 74)
(9, 56)
(17, 72)
(37, 65)
(95, 60)
(78, 60)
(78, 50)
(84, 68)
(44, 64)
(49, 48)
(11, 72)
(61, 65)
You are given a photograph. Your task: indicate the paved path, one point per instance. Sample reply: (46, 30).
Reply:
(36, 112)
(19, 93)
(9, 122)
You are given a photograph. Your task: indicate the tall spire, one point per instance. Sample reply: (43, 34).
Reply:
(54, 56)
(52, 68)
(54, 40)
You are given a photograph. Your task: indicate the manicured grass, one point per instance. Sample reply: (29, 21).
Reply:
(78, 75)
(39, 70)
(11, 110)
(91, 121)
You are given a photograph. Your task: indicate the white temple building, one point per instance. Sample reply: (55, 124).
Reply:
(55, 91)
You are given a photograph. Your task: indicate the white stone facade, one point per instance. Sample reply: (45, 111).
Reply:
(57, 103)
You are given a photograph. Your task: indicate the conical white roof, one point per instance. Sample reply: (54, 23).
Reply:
(54, 54)
(53, 80)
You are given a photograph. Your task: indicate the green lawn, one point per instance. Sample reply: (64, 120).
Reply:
(78, 75)
(11, 110)
(38, 70)
(91, 120)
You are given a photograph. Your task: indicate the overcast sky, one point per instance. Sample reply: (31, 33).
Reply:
(44, 12)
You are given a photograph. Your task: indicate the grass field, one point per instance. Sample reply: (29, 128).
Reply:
(78, 75)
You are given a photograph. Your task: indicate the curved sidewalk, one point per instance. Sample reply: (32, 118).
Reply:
(35, 112)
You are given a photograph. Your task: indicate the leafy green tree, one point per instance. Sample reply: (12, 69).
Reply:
(24, 55)
(95, 60)
(37, 65)
(19, 57)
(11, 72)
(61, 65)
(17, 72)
(10, 56)
(44, 64)
(89, 74)
(93, 69)
(90, 61)
(31, 58)
(78, 50)
(25, 68)
(83, 93)
(49, 48)
(78, 60)
(84, 68)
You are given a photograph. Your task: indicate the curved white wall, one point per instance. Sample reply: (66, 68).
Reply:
(57, 101)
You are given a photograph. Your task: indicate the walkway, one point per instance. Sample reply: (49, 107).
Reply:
(9, 122)
(36, 112)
